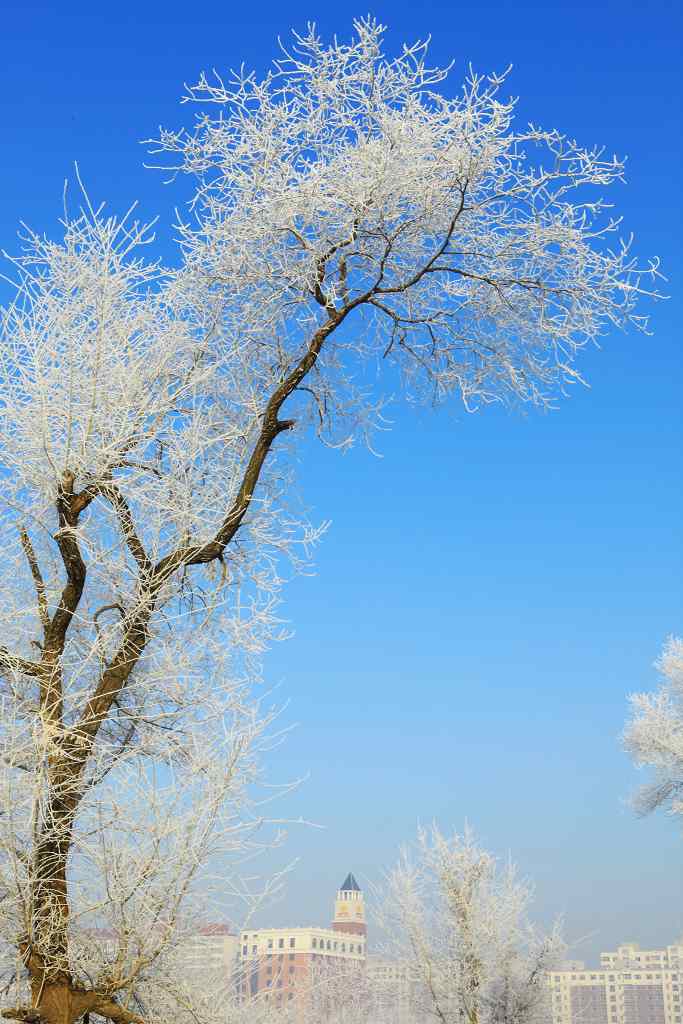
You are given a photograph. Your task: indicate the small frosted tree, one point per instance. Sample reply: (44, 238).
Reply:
(654, 735)
(336, 992)
(346, 212)
(458, 927)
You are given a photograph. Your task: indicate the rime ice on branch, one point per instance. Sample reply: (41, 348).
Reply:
(459, 925)
(345, 211)
(654, 736)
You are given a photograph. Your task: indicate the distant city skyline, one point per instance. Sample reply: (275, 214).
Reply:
(628, 947)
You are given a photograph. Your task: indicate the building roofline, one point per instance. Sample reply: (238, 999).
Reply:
(288, 931)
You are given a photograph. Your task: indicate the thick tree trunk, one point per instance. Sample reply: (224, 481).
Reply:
(59, 1004)
(56, 1002)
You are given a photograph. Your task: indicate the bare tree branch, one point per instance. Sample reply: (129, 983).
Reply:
(37, 579)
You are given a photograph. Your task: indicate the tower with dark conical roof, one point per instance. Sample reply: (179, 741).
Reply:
(349, 908)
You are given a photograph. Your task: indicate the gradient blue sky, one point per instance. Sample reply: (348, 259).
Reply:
(494, 586)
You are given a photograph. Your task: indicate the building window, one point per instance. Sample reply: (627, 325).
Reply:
(254, 948)
(292, 943)
(244, 950)
(280, 943)
(270, 943)
(314, 942)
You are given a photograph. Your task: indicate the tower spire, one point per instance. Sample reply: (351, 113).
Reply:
(349, 908)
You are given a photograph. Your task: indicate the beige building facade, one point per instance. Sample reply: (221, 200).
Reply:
(632, 986)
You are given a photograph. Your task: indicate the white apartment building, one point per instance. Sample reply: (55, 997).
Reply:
(211, 950)
(632, 986)
(391, 988)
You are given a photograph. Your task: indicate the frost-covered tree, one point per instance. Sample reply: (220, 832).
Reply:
(654, 735)
(346, 211)
(458, 926)
(337, 992)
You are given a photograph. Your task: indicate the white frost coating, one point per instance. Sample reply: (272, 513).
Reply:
(459, 925)
(475, 252)
(654, 736)
(107, 399)
(345, 213)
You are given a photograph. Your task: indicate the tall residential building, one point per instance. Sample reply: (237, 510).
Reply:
(210, 951)
(275, 961)
(390, 985)
(632, 986)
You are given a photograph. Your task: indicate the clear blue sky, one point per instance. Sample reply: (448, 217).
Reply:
(493, 587)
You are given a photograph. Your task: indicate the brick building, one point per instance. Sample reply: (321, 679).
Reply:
(276, 961)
